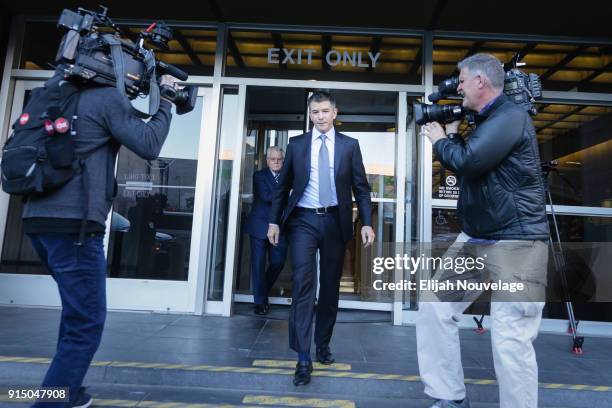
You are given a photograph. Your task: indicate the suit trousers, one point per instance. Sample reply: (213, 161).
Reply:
(308, 232)
(262, 280)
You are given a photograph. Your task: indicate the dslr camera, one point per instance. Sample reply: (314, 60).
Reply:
(93, 51)
(522, 89)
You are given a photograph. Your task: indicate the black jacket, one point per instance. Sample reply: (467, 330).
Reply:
(501, 187)
(263, 192)
(106, 121)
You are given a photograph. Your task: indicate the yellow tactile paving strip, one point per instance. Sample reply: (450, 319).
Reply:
(289, 371)
(291, 364)
(270, 400)
(134, 403)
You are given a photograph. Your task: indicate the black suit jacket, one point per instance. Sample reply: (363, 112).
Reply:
(349, 174)
(263, 191)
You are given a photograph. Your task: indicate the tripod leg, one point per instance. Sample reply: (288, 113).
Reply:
(479, 327)
(560, 267)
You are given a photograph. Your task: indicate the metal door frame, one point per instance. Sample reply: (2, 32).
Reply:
(396, 306)
(132, 294)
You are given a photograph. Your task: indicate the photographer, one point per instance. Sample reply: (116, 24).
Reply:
(106, 120)
(502, 208)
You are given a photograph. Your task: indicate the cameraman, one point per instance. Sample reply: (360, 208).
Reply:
(106, 120)
(502, 208)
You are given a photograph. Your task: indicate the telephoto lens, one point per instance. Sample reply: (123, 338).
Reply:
(437, 113)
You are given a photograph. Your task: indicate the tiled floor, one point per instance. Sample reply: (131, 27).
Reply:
(368, 347)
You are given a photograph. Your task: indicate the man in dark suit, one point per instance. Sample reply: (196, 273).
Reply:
(265, 181)
(321, 167)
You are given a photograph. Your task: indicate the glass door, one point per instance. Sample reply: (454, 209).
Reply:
(152, 240)
(274, 115)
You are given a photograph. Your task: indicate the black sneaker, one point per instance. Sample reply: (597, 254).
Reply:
(84, 400)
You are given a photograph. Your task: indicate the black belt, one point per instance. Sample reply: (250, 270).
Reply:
(319, 211)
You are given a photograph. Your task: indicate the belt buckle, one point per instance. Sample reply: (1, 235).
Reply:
(321, 213)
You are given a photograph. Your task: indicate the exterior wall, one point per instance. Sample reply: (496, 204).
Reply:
(5, 26)
(428, 204)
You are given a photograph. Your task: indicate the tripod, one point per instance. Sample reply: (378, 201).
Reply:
(559, 260)
(559, 263)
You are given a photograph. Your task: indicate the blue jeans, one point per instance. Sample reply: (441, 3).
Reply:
(80, 274)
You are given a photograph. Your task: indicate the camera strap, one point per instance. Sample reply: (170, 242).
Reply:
(154, 94)
(118, 63)
(119, 66)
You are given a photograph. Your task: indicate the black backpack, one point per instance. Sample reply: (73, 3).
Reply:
(39, 156)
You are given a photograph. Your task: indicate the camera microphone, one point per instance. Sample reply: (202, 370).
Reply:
(172, 70)
(435, 97)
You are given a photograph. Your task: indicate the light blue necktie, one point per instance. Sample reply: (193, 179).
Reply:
(325, 193)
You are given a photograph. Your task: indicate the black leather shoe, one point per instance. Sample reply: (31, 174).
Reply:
(302, 373)
(261, 309)
(324, 356)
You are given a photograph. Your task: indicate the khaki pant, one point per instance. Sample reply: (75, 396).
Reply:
(515, 326)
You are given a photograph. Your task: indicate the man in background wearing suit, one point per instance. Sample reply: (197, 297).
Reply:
(265, 181)
(321, 167)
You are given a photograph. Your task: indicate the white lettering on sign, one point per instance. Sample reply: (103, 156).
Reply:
(333, 58)
(291, 55)
(309, 52)
(374, 58)
(273, 55)
(337, 58)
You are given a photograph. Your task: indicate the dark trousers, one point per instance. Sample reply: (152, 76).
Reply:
(262, 280)
(307, 233)
(80, 273)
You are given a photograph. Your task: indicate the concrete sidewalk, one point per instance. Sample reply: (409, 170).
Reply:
(376, 362)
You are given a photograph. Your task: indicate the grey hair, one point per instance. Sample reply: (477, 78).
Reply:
(487, 65)
(275, 149)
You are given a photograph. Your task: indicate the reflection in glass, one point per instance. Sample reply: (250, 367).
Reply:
(277, 114)
(578, 138)
(562, 67)
(582, 229)
(151, 233)
(152, 216)
(357, 279)
(274, 115)
(223, 182)
(18, 254)
(446, 226)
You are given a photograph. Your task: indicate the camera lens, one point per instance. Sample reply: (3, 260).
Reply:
(437, 113)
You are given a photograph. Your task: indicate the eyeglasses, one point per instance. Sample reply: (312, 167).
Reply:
(276, 160)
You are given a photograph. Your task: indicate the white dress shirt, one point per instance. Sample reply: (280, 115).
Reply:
(310, 199)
